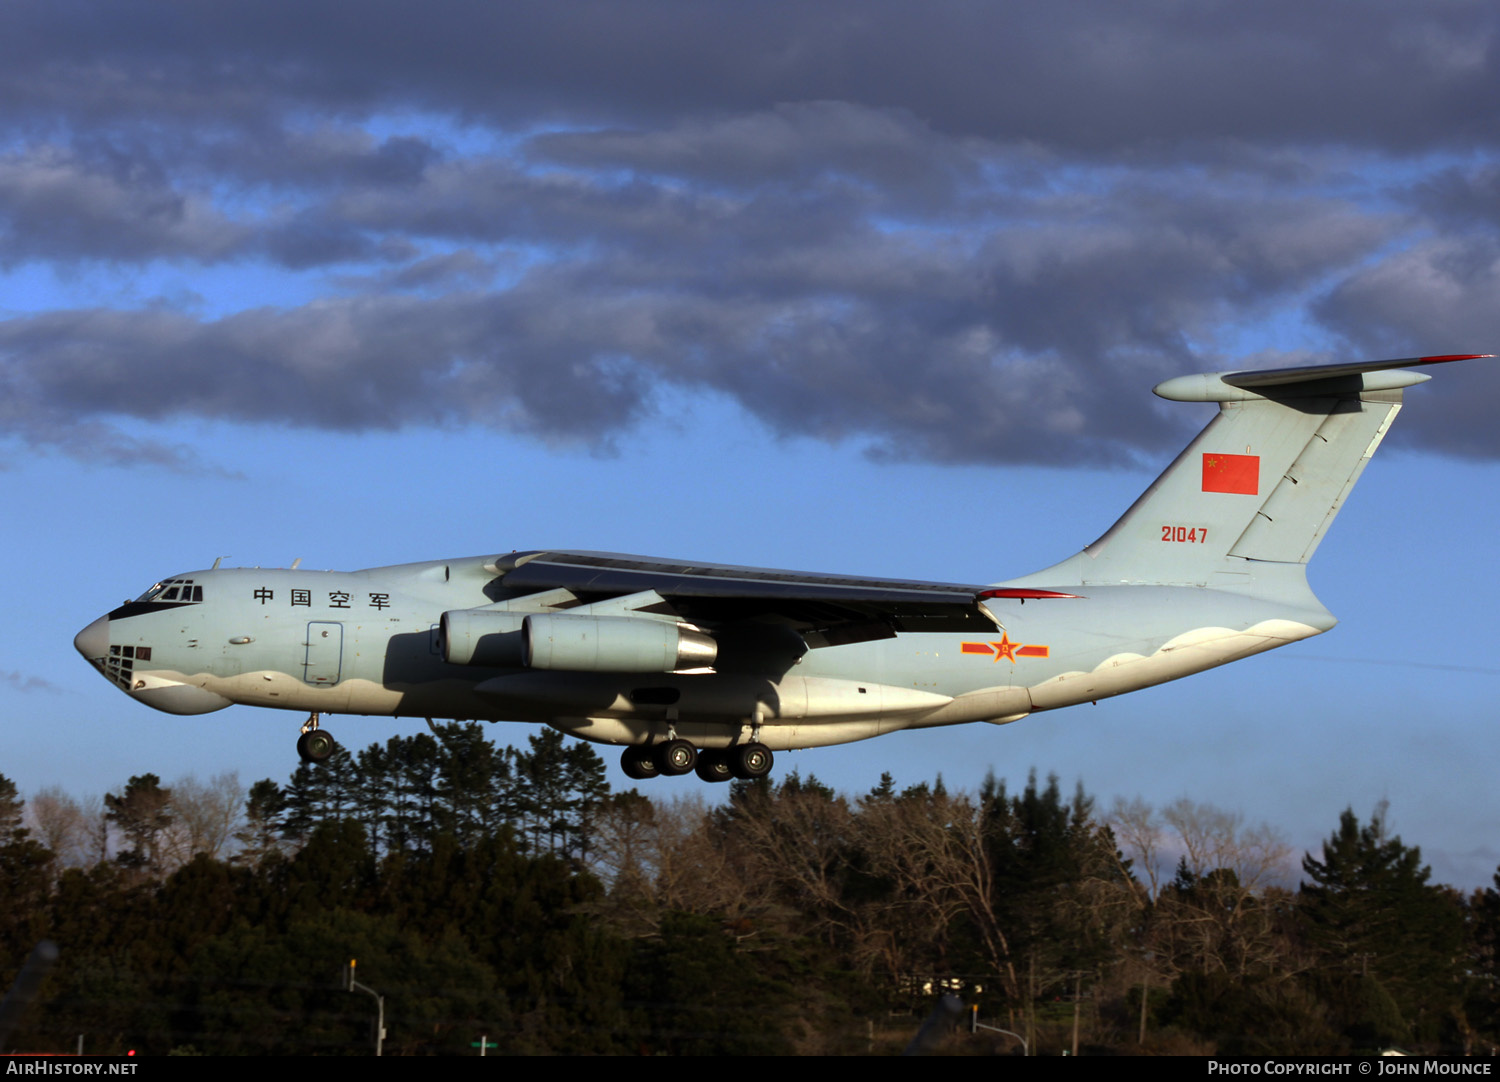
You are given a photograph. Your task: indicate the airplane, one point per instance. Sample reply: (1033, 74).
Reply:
(711, 669)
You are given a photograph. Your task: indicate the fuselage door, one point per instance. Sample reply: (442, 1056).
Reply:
(325, 653)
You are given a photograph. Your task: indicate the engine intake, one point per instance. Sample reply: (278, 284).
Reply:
(482, 637)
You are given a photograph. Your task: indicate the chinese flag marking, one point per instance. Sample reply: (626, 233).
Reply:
(1231, 473)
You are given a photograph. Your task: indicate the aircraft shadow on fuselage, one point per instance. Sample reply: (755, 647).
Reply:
(753, 657)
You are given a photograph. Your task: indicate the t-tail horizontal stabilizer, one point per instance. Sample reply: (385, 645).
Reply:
(1246, 505)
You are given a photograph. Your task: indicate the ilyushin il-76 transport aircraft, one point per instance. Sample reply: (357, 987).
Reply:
(711, 668)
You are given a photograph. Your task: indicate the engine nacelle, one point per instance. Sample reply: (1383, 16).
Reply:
(482, 637)
(612, 644)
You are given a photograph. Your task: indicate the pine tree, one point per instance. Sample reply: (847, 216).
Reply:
(12, 810)
(397, 786)
(142, 812)
(321, 793)
(1484, 960)
(1372, 916)
(258, 838)
(476, 783)
(560, 788)
(26, 872)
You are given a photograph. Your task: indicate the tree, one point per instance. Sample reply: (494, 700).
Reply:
(204, 816)
(61, 824)
(707, 998)
(321, 793)
(1061, 886)
(397, 786)
(142, 813)
(1371, 914)
(25, 876)
(1219, 913)
(624, 828)
(561, 786)
(1484, 959)
(12, 811)
(259, 836)
(924, 865)
(476, 783)
(797, 839)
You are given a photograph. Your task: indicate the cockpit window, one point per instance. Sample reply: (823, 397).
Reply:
(178, 590)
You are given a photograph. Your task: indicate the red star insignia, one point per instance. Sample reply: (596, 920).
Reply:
(1005, 648)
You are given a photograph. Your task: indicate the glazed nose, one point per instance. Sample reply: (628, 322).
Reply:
(93, 641)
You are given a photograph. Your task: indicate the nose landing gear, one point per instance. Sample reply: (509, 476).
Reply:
(315, 744)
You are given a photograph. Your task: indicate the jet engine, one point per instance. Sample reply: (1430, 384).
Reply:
(612, 644)
(482, 637)
(571, 643)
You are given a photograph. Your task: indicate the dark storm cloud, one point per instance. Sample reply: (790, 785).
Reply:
(1439, 296)
(1034, 343)
(378, 363)
(905, 161)
(953, 232)
(56, 206)
(1077, 73)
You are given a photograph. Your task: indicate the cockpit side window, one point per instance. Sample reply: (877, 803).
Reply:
(178, 590)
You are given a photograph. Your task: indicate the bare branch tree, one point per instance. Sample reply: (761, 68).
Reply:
(61, 824)
(1219, 912)
(204, 817)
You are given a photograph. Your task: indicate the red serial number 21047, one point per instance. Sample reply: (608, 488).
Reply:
(1192, 535)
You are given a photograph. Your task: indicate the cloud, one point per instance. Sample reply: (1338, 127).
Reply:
(1439, 296)
(25, 682)
(1083, 74)
(1035, 343)
(56, 206)
(958, 234)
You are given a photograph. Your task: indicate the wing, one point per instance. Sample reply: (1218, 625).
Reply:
(825, 609)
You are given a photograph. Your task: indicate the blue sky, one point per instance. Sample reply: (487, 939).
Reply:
(840, 289)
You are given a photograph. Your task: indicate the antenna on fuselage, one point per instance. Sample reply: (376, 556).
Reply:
(217, 561)
(297, 563)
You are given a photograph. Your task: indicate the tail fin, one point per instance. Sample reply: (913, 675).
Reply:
(1259, 486)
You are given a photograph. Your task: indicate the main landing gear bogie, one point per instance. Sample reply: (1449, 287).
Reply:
(673, 758)
(639, 763)
(714, 766)
(676, 757)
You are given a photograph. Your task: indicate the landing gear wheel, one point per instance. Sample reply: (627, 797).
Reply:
(315, 746)
(714, 765)
(639, 763)
(676, 757)
(751, 761)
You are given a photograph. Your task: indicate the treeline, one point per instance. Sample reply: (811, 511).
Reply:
(508, 895)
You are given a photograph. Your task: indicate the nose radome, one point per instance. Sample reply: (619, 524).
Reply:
(93, 641)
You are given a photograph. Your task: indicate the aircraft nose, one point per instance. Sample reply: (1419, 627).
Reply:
(93, 641)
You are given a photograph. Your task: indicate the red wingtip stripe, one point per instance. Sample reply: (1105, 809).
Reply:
(1442, 357)
(1022, 594)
